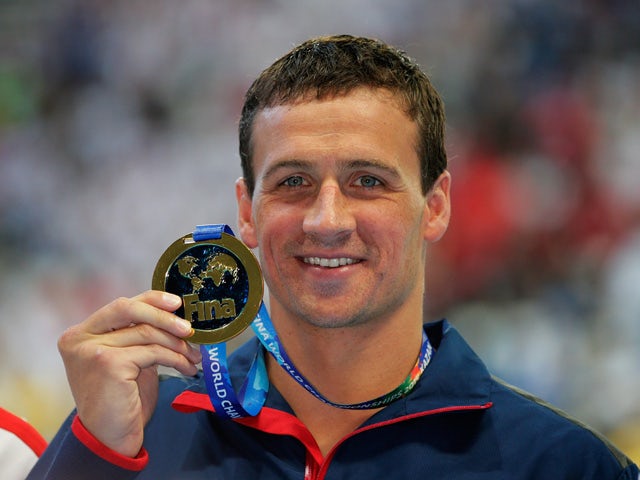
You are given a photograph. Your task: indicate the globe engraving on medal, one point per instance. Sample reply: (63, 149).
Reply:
(219, 281)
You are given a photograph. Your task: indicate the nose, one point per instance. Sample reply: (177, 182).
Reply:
(329, 217)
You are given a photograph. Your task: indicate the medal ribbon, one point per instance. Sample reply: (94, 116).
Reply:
(253, 392)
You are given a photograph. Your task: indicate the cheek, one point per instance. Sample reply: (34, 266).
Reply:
(400, 225)
(279, 218)
(404, 241)
(274, 229)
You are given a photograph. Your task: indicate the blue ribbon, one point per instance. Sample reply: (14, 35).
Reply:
(253, 392)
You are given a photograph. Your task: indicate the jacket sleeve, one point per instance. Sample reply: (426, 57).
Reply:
(74, 454)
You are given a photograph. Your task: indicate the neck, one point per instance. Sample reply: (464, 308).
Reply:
(346, 365)
(350, 364)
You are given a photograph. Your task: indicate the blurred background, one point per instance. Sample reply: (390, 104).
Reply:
(118, 135)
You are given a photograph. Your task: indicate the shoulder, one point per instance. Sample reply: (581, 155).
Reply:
(540, 431)
(529, 433)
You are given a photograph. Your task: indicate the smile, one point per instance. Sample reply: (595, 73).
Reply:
(329, 262)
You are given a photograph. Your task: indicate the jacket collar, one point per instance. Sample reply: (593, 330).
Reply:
(455, 379)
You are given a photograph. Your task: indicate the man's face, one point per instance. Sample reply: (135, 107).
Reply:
(338, 211)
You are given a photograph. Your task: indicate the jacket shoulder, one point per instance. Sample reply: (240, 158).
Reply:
(551, 432)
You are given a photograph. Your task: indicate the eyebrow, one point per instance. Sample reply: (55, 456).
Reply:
(291, 164)
(348, 165)
(355, 164)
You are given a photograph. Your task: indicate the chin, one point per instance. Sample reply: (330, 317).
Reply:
(332, 320)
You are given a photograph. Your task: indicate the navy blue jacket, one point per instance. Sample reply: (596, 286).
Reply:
(458, 423)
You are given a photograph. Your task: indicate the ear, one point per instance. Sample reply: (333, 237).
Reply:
(437, 209)
(246, 224)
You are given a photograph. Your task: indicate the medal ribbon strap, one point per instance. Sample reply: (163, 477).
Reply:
(250, 398)
(266, 333)
(218, 381)
(252, 394)
(212, 231)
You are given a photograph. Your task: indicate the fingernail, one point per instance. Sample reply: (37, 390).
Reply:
(172, 299)
(185, 326)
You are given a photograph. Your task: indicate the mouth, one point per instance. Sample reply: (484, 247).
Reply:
(330, 262)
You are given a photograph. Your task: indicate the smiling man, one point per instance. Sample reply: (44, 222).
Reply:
(344, 187)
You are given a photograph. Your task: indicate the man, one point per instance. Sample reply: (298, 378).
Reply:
(344, 186)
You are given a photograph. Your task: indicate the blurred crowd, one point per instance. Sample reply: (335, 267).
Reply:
(117, 135)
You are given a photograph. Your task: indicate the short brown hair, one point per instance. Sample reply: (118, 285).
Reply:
(328, 66)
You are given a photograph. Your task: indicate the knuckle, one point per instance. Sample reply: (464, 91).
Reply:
(82, 351)
(122, 305)
(145, 331)
(101, 357)
(69, 338)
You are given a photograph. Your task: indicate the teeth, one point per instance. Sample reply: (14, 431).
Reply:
(329, 262)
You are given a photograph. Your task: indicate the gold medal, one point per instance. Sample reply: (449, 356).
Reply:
(220, 283)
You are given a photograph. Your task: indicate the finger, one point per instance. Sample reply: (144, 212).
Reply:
(133, 360)
(145, 334)
(124, 312)
(163, 300)
(181, 363)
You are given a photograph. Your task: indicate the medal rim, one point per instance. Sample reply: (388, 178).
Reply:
(254, 279)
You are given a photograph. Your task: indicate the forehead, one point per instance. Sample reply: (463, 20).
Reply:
(363, 124)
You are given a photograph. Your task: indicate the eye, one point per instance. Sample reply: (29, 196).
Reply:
(367, 181)
(293, 181)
